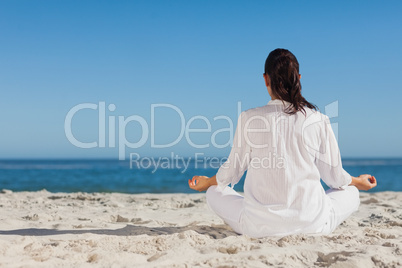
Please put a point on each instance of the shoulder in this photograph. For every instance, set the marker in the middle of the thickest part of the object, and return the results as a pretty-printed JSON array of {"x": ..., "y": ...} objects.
[
  {"x": 311, "y": 114},
  {"x": 261, "y": 110},
  {"x": 253, "y": 114},
  {"x": 314, "y": 121}
]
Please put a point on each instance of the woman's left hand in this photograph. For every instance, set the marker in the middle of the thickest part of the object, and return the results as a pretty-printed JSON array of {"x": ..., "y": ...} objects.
[{"x": 199, "y": 183}]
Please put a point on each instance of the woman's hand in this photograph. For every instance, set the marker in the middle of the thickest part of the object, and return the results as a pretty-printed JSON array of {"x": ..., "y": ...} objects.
[
  {"x": 199, "y": 183},
  {"x": 364, "y": 182}
]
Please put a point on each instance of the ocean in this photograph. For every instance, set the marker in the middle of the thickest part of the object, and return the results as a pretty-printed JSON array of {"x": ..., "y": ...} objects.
[{"x": 74, "y": 175}]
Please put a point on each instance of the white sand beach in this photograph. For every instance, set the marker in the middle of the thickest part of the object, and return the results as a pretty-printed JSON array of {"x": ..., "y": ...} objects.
[{"x": 43, "y": 229}]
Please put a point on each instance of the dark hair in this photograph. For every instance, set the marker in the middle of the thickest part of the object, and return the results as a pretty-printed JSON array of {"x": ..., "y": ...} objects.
[{"x": 282, "y": 68}]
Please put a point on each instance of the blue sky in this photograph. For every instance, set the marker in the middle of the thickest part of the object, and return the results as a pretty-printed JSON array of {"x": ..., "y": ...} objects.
[{"x": 200, "y": 56}]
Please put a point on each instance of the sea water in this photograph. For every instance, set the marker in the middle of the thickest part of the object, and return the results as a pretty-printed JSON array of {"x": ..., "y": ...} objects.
[{"x": 76, "y": 175}]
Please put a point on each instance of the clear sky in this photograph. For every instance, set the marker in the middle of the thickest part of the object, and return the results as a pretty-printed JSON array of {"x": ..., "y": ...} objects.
[{"x": 202, "y": 57}]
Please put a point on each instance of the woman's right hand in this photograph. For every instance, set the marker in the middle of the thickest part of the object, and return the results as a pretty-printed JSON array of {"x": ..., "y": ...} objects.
[
  {"x": 364, "y": 182},
  {"x": 199, "y": 183}
]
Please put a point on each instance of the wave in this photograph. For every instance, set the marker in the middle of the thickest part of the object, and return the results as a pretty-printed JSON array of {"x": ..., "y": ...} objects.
[{"x": 372, "y": 162}]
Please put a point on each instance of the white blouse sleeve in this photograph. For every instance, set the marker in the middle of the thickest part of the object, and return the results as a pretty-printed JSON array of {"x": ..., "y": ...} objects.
[
  {"x": 237, "y": 163},
  {"x": 328, "y": 160}
]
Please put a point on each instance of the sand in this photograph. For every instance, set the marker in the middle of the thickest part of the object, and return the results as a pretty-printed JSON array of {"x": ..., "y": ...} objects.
[{"x": 43, "y": 229}]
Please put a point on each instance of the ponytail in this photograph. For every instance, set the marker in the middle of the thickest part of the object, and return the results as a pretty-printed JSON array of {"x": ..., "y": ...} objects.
[{"x": 282, "y": 68}]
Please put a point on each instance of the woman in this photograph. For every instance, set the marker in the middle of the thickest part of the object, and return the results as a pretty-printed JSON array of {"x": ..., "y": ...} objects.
[{"x": 286, "y": 146}]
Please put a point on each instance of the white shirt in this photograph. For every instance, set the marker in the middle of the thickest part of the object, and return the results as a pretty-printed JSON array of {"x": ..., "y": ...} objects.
[{"x": 285, "y": 156}]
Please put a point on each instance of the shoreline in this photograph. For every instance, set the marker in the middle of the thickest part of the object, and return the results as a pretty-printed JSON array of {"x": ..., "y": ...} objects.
[{"x": 179, "y": 230}]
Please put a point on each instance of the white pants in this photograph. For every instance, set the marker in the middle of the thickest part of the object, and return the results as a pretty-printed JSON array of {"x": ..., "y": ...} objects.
[{"x": 228, "y": 204}]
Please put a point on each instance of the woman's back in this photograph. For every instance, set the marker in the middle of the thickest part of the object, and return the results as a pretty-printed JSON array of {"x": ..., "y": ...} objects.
[
  {"x": 280, "y": 152},
  {"x": 284, "y": 189}
]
